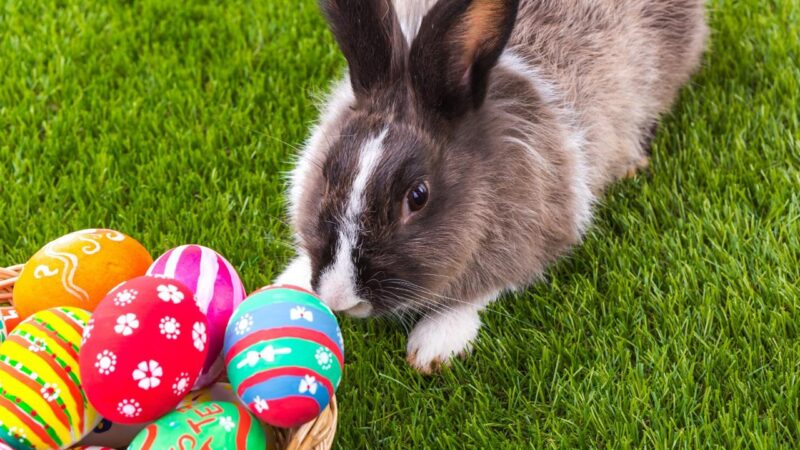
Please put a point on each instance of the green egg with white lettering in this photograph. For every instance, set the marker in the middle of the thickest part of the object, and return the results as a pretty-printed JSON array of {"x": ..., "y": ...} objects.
[{"x": 207, "y": 425}]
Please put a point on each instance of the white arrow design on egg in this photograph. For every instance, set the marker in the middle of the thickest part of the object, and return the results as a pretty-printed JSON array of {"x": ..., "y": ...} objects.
[{"x": 267, "y": 354}]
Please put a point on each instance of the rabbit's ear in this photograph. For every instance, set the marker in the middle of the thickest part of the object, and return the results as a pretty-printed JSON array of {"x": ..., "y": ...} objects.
[
  {"x": 458, "y": 44},
  {"x": 371, "y": 40}
]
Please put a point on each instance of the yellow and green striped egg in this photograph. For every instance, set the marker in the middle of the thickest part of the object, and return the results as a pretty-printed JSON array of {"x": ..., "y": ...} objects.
[{"x": 42, "y": 405}]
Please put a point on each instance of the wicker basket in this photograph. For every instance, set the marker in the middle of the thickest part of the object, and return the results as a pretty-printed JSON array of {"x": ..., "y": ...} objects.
[{"x": 315, "y": 435}]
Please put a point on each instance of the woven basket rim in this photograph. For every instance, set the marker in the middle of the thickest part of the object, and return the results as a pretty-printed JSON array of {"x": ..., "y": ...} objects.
[{"x": 315, "y": 435}]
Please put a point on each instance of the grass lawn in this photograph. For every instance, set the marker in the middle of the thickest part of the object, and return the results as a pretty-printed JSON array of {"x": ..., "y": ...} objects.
[{"x": 676, "y": 324}]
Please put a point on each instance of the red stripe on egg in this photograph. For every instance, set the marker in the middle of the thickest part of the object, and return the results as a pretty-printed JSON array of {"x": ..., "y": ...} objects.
[
  {"x": 69, "y": 320},
  {"x": 33, "y": 385},
  {"x": 57, "y": 368},
  {"x": 261, "y": 377},
  {"x": 151, "y": 433},
  {"x": 74, "y": 390},
  {"x": 61, "y": 341},
  {"x": 33, "y": 426},
  {"x": 284, "y": 332},
  {"x": 245, "y": 423}
]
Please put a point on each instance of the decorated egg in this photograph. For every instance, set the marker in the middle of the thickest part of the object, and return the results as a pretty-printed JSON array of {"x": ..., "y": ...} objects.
[
  {"x": 209, "y": 425},
  {"x": 91, "y": 447},
  {"x": 284, "y": 354},
  {"x": 42, "y": 405},
  {"x": 9, "y": 319},
  {"x": 217, "y": 288},
  {"x": 143, "y": 349},
  {"x": 78, "y": 270},
  {"x": 117, "y": 435}
]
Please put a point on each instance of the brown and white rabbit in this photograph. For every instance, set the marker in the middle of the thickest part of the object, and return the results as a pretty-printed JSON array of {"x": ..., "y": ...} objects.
[{"x": 464, "y": 149}]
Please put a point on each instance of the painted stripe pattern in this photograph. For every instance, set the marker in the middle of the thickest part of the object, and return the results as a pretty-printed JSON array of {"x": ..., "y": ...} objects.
[
  {"x": 285, "y": 355},
  {"x": 42, "y": 405},
  {"x": 218, "y": 291}
]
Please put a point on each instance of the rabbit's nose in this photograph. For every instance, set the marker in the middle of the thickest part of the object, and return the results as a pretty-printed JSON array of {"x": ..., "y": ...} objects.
[{"x": 338, "y": 292}]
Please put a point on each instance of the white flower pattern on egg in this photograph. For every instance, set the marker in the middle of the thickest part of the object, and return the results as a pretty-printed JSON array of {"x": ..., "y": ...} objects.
[
  {"x": 169, "y": 293},
  {"x": 37, "y": 345},
  {"x": 169, "y": 327},
  {"x": 125, "y": 297},
  {"x": 50, "y": 392},
  {"x": 129, "y": 408},
  {"x": 126, "y": 323},
  {"x": 324, "y": 358},
  {"x": 199, "y": 336},
  {"x": 227, "y": 423},
  {"x": 18, "y": 434},
  {"x": 148, "y": 374},
  {"x": 106, "y": 362},
  {"x": 181, "y": 384},
  {"x": 260, "y": 404},
  {"x": 244, "y": 324}
]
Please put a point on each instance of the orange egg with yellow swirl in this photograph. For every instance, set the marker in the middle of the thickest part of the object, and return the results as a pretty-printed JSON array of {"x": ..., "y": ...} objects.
[{"x": 78, "y": 270}]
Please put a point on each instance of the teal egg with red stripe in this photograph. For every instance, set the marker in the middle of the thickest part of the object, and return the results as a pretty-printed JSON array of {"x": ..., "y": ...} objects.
[
  {"x": 284, "y": 354},
  {"x": 207, "y": 425}
]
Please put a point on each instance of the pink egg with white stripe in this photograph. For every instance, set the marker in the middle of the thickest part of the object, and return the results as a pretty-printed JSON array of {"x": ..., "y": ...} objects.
[{"x": 217, "y": 288}]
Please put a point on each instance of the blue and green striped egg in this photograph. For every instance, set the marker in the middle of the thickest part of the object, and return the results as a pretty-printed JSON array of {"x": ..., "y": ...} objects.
[{"x": 284, "y": 354}]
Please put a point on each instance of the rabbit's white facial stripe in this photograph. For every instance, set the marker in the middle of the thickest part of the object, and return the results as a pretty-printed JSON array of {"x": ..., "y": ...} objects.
[
  {"x": 337, "y": 286},
  {"x": 367, "y": 163}
]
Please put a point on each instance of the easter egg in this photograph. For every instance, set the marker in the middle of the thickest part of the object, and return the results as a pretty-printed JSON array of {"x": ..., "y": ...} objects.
[
  {"x": 143, "y": 349},
  {"x": 9, "y": 319},
  {"x": 42, "y": 405},
  {"x": 91, "y": 447},
  {"x": 217, "y": 288},
  {"x": 209, "y": 425},
  {"x": 78, "y": 270},
  {"x": 118, "y": 435},
  {"x": 284, "y": 353}
]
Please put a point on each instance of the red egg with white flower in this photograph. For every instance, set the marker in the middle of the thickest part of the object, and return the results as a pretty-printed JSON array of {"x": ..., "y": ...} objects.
[{"x": 143, "y": 349}]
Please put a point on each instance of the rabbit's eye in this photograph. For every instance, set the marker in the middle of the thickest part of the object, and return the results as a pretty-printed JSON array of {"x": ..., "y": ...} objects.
[{"x": 417, "y": 197}]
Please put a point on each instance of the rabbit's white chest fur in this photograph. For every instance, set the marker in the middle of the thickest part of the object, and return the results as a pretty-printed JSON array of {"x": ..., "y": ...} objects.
[{"x": 512, "y": 115}]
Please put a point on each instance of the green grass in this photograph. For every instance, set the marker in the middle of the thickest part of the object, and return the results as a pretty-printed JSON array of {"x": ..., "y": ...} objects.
[{"x": 676, "y": 324}]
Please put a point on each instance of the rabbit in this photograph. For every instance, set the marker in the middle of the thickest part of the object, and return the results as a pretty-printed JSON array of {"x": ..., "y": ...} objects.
[{"x": 465, "y": 147}]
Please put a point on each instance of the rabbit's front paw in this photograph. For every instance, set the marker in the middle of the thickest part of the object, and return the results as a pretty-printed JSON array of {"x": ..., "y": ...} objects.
[
  {"x": 636, "y": 166},
  {"x": 436, "y": 339}
]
